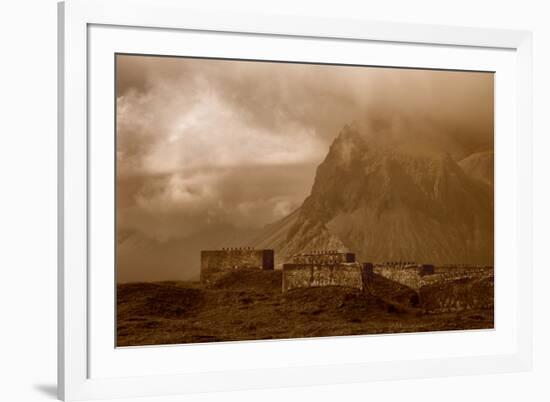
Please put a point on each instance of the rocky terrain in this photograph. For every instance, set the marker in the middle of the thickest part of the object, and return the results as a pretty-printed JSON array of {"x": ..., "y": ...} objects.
[{"x": 247, "y": 304}]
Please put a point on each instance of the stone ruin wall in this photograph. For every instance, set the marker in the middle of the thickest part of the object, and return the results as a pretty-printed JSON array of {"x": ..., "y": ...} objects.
[
  {"x": 323, "y": 257},
  {"x": 215, "y": 263},
  {"x": 412, "y": 276},
  {"x": 455, "y": 289},
  {"x": 317, "y": 275},
  {"x": 468, "y": 293},
  {"x": 444, "y": 289},
  {"x": 417, "y": 276}
]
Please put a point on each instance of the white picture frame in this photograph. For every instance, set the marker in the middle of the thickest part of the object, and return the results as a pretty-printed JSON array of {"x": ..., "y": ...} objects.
[{"x": 75, "y": 337}]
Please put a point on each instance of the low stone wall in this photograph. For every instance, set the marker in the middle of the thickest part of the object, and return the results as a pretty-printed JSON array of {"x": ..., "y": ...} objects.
[
  {"x": 321, "y": 257},
  {"x": 434, "y": 289},
  {"x": 214, "y": 263},
  {"x": 456, "y": 291},
  {"x": 317, "y": 275},
  {"x": 410, "y": 276}
]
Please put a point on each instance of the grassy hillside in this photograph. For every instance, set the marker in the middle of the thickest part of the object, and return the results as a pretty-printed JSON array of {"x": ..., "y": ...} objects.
[{"x": 248, "y": 304}]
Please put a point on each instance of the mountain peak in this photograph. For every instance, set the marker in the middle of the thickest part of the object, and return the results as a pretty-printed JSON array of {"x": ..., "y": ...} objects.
[
  {"x": 479, "y": 165},
  {"x": 385, "y": 203}
]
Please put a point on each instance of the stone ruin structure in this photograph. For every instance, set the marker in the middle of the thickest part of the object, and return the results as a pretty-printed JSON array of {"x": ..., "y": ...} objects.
[
  {"x": 323, "y": 268},
  {"x": 450, "y": 287},
  {"x": 216, "y": 263}
]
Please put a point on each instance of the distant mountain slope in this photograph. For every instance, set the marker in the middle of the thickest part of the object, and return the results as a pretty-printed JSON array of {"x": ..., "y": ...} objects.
[
  {"x": 144, "y": 258},
  {"x": 479, "y": 165},
  {"x": 384, "y": 204}
]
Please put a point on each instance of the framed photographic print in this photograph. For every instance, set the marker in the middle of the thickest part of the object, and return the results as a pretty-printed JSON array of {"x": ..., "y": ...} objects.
[{"x": 256, "y": 201}]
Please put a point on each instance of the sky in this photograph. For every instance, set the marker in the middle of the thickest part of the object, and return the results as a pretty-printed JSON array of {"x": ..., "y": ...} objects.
[{"x": 210, "y": 150}]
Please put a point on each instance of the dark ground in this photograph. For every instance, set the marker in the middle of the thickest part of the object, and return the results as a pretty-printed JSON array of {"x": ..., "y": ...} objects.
[{"x": 249, "y": 305}]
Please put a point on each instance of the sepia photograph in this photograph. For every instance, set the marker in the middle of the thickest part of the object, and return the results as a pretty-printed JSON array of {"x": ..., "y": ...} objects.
[{"x": 262, "y": 200}]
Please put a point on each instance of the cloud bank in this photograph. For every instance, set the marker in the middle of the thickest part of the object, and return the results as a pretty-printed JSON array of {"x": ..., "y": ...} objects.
[{"x": 212, "y": 147}]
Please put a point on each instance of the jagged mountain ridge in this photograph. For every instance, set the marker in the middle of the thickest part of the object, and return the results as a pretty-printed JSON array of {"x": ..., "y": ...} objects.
[
  {"x": 387, "y": 204},
  {"x": 479, "y": 165}
]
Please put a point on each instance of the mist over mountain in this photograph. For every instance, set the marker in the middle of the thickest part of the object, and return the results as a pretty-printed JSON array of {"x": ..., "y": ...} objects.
[
  {"x": 146, "y": 258},
  {"x": 387, "y": 203},
  {"x": 210, "y": 151}
]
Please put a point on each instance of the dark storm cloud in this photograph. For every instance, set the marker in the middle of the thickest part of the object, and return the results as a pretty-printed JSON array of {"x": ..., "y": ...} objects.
[
  {"x": 181, "y": 204},
  {"x": 206, "y": 144},
  {"x": 269, "y": 95}
]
